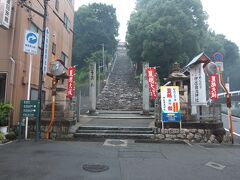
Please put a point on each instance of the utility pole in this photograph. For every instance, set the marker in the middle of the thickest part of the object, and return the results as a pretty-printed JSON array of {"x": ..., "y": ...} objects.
[{"x": 41, "y": 68}]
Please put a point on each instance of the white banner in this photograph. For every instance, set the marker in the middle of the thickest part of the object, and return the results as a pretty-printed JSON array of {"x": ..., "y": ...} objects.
[
  {"x": 45, "y": 55},
  {"x": 198, "y": 85}
]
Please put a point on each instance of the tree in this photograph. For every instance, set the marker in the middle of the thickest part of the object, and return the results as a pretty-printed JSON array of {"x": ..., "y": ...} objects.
[
  {"x": 231, "y": 57},
  {"x": 165, "y": 31},
  {"x": 94, "y": 25}
]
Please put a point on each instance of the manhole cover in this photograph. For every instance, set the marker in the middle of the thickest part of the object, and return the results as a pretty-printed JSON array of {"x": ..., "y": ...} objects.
[
  {"x": 215, "y": 165},
  {"x": 95, "y": 167},
  {"x": 115, "y": 142}
]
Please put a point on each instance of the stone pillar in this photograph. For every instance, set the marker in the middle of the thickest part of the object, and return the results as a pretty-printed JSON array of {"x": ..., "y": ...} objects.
[
  {"x": 92, "y": 87},
  {"x": 145, "y": 90}
]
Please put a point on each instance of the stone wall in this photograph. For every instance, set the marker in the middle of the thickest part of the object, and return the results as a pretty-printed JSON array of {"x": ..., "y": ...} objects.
[{"x": 188, "y": 135}]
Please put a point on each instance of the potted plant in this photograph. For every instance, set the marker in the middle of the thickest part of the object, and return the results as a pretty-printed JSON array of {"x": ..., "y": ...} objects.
[{"x": 5, "y": 110}]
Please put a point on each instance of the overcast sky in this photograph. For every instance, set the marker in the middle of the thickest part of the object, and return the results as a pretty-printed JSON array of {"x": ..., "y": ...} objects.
[{"x": 223, "y": 15}]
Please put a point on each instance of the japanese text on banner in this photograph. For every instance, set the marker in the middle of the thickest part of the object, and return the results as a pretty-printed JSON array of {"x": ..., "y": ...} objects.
[
  {"x": 70, "y": 90},
  {"x": 213, "y": 89},
  {"x": 152, "y": 82}
]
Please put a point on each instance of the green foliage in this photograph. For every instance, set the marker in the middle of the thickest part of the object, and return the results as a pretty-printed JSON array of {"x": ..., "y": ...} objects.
[
  {"x": 230, "y": 51},
  {"x": 81, "y": 77},
  {"x": 94, "y": 25},
  {"x": 163, "y": 32},
  {"x": 2, "y": 137},
  {"x": 4, "y": 113}
]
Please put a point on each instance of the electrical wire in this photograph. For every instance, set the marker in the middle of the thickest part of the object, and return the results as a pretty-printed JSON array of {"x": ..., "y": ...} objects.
[{"x": 40, "y": 4}]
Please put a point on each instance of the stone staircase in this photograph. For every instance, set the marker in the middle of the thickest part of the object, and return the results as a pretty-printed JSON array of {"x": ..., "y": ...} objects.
[
  {"x": 122, "y": 90},
  {"x": 113, "y": 132}
]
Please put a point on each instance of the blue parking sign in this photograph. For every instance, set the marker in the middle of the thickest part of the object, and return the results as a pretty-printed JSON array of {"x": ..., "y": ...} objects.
[{"x": 31, "y": 42}]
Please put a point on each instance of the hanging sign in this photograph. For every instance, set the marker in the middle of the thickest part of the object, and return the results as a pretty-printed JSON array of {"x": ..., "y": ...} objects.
[
  {"x": 170, "y": 103},
  {"x": 70, "y": 90},
  {"x": 213, "y": 89},
  {"x": 45, "y": 55},
  {"x": 5, "y": 13},
  {"x": 152, "y": 82}
]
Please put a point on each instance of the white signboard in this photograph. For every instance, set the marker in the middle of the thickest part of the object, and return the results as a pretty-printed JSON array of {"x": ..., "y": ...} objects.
[
  {"x": 45, "y": 55},
  {"x": 198, "y": 85},
  {"x": 5, "y": 13},
  {"x": 170, "y": 103},
  {"x": 31, "y": 42}
]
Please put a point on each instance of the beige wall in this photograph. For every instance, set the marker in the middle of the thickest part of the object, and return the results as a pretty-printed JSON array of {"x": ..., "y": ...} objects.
[{"x": 11, "y": 45}]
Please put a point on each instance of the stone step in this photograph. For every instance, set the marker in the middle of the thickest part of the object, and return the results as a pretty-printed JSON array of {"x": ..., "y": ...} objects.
[
  {"x": 115, "y": 128},
  {"x": 112, "y": 136},
  {"x": 115, "y": 117},
  {"x": 90, "y": 132},
  {"x": 115, "y": 131}
]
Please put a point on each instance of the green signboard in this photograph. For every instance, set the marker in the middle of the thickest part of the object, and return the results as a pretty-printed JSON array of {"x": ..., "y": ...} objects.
[{"x": 29, "y": 108}]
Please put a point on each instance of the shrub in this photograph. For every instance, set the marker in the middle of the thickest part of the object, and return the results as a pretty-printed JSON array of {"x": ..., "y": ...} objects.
[
  {"x": 4, "y": 113},
  {"x": 2, "y": 137}
]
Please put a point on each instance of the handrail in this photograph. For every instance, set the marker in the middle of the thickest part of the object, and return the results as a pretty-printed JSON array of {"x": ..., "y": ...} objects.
[{"x": 232, "y": 92}]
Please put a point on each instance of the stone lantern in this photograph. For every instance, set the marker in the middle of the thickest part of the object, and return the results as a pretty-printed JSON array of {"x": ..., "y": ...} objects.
[{"x": 177, "y": 77}]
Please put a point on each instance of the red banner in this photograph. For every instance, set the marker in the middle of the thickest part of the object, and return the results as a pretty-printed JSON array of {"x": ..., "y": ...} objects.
[
  {"x": 152, "y": 82},
  {"x": 70, "y": 90},
  {"x": 213, "y": 89}
]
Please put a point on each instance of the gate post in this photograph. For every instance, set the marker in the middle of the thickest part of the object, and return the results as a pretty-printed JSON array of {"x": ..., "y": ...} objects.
[
  {"x": 92, "y": 87},
  {"x": 145, "y": 89}
]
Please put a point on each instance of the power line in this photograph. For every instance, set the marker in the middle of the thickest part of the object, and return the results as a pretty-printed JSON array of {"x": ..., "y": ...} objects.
[{"x": 40, "y": 4}]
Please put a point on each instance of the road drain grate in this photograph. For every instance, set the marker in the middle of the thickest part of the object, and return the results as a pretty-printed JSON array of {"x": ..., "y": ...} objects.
[{"x": 95, "y": 167}]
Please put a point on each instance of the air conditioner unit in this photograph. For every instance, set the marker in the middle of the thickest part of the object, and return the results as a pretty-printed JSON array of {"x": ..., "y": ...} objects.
[{"x": 5, "y": 13}]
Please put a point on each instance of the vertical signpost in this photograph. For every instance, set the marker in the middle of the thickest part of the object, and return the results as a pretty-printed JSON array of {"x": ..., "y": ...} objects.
[
  {"x": 30, "y": 47},
  {"x": 92, "y": 87},
  {"x": 218, "y": 57},
  {"x": 170, "y": 103},
  {"x": 145, "y": 89}
]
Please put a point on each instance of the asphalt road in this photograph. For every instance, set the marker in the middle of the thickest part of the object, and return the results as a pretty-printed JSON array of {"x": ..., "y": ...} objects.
[{"x": 131, "y": 161}]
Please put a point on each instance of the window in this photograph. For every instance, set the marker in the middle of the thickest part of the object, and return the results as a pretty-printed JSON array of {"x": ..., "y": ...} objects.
[
  {"x": 66, "y": 22},
  {"x": 2, "y": 86},
  {"x": 64, "y": 58},
  {"x": 53, "y": 48},
  {"x": 57, "y": 5}
]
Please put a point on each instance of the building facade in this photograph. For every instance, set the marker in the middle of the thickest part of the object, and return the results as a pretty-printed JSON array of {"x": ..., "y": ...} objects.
[{"x": 14, "y": 62}]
